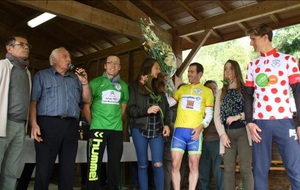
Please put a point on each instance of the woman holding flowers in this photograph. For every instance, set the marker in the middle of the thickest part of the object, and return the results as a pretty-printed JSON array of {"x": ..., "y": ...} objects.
[
  {"x": 229, "y": 120},
  {"x": 148, "y": 118}
]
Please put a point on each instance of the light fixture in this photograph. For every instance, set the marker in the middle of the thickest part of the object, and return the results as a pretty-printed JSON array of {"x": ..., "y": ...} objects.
[{"x": 40, "y": 19}]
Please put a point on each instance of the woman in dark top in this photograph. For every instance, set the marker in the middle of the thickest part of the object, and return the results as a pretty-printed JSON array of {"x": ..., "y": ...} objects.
[
  {"x": 230, "y": 123},
  {"x": 148, "y": 117}
]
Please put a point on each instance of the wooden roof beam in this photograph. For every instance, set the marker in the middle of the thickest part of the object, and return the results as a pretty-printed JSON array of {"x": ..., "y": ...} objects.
[
  {"x": 160, "y": 14},
  {"x": 275, "y": 18},
  {"x": 76, "y": 36},
  {"x": 129, "y": 9},
  {"x": 216, "y": 33},
  {"x": 135, "y": 44},
  {"x": 194, "y": 51},
  {"x": 227, "y": 8},
  {"x": 188, "y": 9},
  {"x": 189, "y": 39},
  {"x": 243, "y": 26},
  {"x": 237, "y": 16},
  {"x": 91, "y": 16},
  {"x": 224, "y": 6},
  {"x": 134, "y": 13}
]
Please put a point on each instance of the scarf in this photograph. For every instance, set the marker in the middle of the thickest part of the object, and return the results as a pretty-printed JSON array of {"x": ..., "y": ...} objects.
[
  {"x": 115, "y": 80},
  {"x": 17, "y": 61}
]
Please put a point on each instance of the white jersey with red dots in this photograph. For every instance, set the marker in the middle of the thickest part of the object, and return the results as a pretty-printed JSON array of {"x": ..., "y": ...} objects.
[{"x": 271, "y": 76}]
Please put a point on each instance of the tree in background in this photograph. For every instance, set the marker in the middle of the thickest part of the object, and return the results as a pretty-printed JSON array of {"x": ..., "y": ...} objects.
[
  {"x": 213, "y": 57},
  {"x": 287, "y": 40}
]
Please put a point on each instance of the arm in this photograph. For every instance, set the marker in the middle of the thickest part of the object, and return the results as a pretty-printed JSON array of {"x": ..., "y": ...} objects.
[
  {"x": 240, "y": 116},
  {"x": 125, "y": 99},
  {"x": 217, "y": 119},
  {"x": 208, "y": 115},
  {"x": 133, "y": 109},
  {"x": 209, "y": 111},
  {"x": 217, "y": 115},
  {"x": 248, "y": 103},
  {"x": 296, "y": 92},
  {"x": 35, "y": 129},
  {"x": 86, "y": 112},
  {"x": 166, "y": 128},
  {"x": 86, "y": 91},
  {"x": 248, "y": 110},
  {"x": 172, "y": 102},
  {"x": 166, "y": 110},
  {"x": 124, "y": 106}
]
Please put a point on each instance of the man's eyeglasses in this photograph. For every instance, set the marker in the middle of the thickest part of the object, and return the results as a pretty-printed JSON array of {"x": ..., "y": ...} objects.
[
  {"x": 22, "y": 44},
  {"x": 113, "y": 63}
]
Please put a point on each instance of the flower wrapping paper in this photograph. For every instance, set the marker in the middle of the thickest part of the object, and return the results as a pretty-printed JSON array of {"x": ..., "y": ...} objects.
[{"x": 160, "y": 51}]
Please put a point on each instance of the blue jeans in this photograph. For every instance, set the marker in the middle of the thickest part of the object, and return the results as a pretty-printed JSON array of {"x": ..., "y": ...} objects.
[
  {"x": 210, "y": 157},
  {"x": 156, "y": 147},
  {"x": 282, "y": 131}
]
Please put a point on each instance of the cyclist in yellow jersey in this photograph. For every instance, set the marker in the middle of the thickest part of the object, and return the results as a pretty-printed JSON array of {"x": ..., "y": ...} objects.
[{"x": 195, "y": 111}]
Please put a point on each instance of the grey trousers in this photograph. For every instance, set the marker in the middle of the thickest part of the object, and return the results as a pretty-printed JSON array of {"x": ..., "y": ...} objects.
[
  {"x": 10, "y": 151},
  {"x": 239, "y": 147}
]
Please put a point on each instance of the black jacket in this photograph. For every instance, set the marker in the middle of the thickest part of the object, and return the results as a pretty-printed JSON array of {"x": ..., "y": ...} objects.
[{"x": 138, "y": 105}]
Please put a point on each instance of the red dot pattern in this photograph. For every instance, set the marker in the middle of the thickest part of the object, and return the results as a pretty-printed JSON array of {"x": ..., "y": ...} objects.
[{"x": 272, "y": 101}]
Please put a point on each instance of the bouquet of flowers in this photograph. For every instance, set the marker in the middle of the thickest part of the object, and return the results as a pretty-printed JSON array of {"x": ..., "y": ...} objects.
[{"x": 160, "y": 51}]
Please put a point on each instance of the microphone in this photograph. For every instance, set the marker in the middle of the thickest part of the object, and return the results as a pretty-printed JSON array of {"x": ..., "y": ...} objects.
[{"x": 74, "y": 68}]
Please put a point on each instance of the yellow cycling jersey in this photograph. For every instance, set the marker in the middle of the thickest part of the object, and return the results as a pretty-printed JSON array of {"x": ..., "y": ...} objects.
[{"x": 193, "y": 99}]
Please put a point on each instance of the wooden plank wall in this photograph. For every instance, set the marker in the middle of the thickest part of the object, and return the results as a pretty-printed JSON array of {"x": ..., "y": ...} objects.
[{"x": 130, "y": 65}]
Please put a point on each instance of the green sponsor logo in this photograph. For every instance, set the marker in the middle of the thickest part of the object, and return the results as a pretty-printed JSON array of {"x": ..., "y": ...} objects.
[{"x": 262, "y": 80}]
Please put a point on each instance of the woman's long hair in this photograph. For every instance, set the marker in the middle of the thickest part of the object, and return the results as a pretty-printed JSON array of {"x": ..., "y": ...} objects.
[
  {"x": 156, "y": 85},
  {"x": 238, "y": 75}
]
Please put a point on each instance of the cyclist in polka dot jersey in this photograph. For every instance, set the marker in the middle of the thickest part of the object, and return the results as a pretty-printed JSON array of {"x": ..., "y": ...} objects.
[{"x": 267, "y": 109}]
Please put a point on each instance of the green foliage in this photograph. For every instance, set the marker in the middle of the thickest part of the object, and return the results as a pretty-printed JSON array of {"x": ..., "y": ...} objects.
[
  {"x": 213, "y": 57},
  {"x": 287, "y": 40}
]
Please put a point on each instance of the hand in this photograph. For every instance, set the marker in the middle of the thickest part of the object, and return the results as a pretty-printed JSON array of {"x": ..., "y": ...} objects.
[
  {"x": 254, "y": 130},
  {"x": 143, "y": 79},
  {"x": 231, "y": 119},
  {"x": 225, "y": 140},
  {"x": 153, "y": 109},
  {"x": 83, "y": 77},
  {"x": 196, "y": 132},
  {"x": 36, "y": 133},
  {"x": 298, "y": 133},
  {"x": 166, "y": 131}
]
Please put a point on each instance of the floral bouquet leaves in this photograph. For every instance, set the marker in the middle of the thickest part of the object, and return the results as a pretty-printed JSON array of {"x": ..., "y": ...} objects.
[
  {"x": 159, "y": 50},
  {"x": 146, "y": 81},
  {"x": 227, "y": 81}
]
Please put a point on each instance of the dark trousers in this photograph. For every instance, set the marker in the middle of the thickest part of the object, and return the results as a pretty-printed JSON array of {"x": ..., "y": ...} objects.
[
  {"x": 25, "y": 176},
  {"x": 59, "y": 138},
  {"x": 103, "y": 174},
  {"x": 283, "y": 132},
  {"x": 210, "y": 157},
  {"x": 98, "y": 140}
]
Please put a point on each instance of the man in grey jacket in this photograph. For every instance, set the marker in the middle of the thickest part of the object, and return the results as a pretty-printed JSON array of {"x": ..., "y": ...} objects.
[{"x": 15, "y": 87}]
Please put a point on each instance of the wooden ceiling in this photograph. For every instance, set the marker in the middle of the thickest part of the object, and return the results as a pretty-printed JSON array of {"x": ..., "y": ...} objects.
[{"x": 91, "y": 29}]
